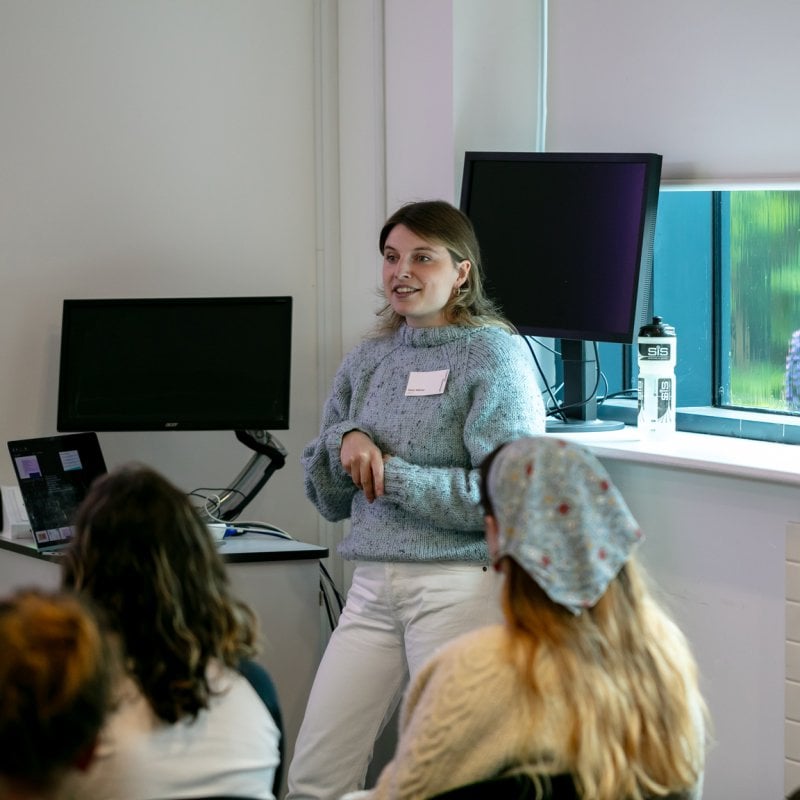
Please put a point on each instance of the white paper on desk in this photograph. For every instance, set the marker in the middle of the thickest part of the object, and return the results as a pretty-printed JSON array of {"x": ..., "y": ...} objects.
[{"x": 422, "y": 383}]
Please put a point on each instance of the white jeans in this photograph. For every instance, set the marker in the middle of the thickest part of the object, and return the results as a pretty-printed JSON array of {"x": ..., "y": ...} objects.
[{"x": 396, "y": 616}]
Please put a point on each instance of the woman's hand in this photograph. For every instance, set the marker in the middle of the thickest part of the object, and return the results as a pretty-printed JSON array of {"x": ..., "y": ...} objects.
[{"x": 363, "y": 462}]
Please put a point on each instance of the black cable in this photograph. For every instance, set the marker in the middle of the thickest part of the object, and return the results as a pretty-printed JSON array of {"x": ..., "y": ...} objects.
[
  {"x": 623, "y": 393},
  {"x": 555, "y": 408},
  {"x": 327, "y": 602},
  {"x": 336, "y": 592},
  {"x": 264, "y": 528},
  {"x": 327, "y": 587},
  {"x": 601, "y": 398},
  {"x": 599, "y": 375},
  {"x": 212, "y": 501},
  {"x": 326, "y": 582},
  {"x": 196, "y": 492}
]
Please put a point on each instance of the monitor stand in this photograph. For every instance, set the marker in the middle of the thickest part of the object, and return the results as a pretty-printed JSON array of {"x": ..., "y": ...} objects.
[
  {"x": 579, "y": 361},
  {"x": 554, "y": 425},
  {"x": 269, "y": 455}
]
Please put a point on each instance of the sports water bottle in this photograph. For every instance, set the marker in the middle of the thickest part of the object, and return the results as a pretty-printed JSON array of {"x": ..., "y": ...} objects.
[{"x": 656, "y": 344}]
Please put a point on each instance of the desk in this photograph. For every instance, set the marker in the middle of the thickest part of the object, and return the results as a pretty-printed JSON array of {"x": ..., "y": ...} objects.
[{"x": 278, "y": 578}]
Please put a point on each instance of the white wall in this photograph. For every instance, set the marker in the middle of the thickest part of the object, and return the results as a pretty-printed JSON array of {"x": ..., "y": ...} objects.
[
  {"x": 716, "y": 548},
  {"x": 152, "y": 148},
  {"x": 792, "y": 684}
]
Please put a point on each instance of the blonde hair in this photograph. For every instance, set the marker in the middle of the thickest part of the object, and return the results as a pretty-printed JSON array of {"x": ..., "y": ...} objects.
[
  {"x": 441, "y": 223},
  {"x": 54, "y": 685},
  {"x": 628, "y": 679}
]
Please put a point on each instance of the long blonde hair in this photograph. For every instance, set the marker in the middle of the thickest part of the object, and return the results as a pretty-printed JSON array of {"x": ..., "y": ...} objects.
[{"x": 627, "y": 677}]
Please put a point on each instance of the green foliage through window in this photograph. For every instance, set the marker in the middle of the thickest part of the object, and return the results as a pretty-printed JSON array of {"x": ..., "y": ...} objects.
[{"x": 764, "y": 274}]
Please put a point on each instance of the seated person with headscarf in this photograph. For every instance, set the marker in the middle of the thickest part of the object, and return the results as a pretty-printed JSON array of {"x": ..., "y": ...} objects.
[{"x": 587, "y": 678}]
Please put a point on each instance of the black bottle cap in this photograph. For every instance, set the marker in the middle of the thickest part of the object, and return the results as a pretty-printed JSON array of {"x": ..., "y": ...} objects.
[{"x": 657, "y": 328}]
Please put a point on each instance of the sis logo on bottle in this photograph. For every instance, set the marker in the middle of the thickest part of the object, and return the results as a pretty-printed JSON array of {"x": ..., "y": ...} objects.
[{"x": 655, "y": 352}]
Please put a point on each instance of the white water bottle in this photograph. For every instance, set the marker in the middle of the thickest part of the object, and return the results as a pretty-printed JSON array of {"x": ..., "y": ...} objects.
[{"x": 656, "y": 357}]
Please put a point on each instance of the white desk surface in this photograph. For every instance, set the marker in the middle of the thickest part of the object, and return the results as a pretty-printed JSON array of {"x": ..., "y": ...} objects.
[{"x": 247, "y": 547}]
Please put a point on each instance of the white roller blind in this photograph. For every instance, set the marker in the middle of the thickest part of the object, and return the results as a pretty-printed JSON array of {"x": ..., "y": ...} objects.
[
  {"x": 713, "y": 85},
  {"x": 497, "y": 76}
]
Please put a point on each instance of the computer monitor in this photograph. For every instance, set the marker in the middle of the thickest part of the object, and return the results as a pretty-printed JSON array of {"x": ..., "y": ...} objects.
[
  {"x": 567, "y": 246},
  {"x": 149, "y": 364}
]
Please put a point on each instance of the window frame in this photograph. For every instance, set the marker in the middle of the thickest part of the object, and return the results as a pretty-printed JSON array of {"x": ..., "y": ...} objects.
[{"x": 702, "y": 338}]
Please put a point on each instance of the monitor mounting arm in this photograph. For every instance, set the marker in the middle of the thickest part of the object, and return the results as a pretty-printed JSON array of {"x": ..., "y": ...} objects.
[{"x": 270, "y": 455}]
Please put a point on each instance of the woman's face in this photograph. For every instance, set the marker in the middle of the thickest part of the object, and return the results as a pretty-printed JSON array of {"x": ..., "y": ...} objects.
[{"x": 419, "y": 277}]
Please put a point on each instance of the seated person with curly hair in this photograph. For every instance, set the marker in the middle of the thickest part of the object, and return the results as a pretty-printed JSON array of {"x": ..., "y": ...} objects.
[
  {"x": 54, "y": 685},
  {"x": 186, "y": 721}
]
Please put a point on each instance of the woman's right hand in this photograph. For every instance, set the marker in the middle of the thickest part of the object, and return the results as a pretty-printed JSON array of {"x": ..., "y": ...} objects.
[{"x": 363, "y": 462}]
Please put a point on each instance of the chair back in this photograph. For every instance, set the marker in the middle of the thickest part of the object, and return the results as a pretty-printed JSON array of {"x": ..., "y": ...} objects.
[
  {"x": 262, "y": 683},
  {"x": 515, "y": 787}
]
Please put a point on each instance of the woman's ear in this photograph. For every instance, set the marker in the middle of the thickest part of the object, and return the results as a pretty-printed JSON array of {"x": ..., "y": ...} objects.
[
  {"x": 463, "y": 272},
  {"x": 492, "y": 535}
]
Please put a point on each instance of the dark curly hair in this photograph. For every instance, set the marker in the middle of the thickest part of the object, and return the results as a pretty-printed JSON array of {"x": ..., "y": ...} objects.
[{"x": 143, "y": 555}]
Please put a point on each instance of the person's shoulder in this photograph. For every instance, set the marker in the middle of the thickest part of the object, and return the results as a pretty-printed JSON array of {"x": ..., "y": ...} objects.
[
  {"x": 486, "y": 636},
  {"x": 496, "y": 345},
  {"x": 477, "y": 663},
  {"x": 234, "y": 692},
  {"x": 474, "y": 646},
  {"x": 375, "y": 342},
  {"x": 131, "y": 713},
  {"x": 491, "y": 331},
  {"x": 495, "y": 336},
  {"x": 369, "y": 350}
]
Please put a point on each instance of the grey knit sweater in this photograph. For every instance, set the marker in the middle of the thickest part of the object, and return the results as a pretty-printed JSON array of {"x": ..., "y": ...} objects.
[{"x": 430, "y": 510}]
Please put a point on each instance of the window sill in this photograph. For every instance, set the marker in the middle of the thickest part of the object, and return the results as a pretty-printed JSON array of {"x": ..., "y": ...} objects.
[
  {"x": 721, "y": 455},
  {"x": 776, "y": 428}
]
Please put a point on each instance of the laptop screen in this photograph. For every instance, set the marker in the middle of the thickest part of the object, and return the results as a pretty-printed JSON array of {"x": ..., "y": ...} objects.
[{"x": 54, "y": 474}]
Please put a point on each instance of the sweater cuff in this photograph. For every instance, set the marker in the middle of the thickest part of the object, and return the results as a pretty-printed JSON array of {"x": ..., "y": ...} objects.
[
  {"x": 335, "y": 434},
  {"x": 396, "y": 477}
]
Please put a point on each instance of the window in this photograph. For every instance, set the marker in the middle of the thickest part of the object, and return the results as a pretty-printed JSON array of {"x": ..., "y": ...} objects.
[
  {"x": 760, "y": 299},
  {"x": 727, "y": 277}
]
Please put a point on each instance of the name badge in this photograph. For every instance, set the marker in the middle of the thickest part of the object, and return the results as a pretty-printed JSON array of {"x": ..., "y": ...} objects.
[{"x": 422, "y": 383}]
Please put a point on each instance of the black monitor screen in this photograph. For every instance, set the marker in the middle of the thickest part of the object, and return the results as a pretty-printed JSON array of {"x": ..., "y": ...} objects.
[
  {"x": 180, "y": 363},
  {"x": 566, "y": 239}
]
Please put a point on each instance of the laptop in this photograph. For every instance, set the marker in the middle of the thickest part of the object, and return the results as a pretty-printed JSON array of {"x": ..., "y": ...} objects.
[{"x": 54, "y": 474}]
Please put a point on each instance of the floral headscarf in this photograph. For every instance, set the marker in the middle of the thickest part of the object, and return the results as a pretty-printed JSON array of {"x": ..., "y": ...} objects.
[{"x": 560, "y": 518}]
